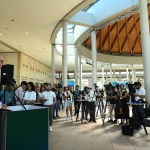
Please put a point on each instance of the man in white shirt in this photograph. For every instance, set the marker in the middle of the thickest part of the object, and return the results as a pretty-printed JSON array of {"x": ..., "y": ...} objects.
[
  {"x": 140, "y": 95},
  {"x": 20, "y": 92},
  {"x": 49, "y": 100},
  {"x": 140, "y": 92},
  {"x": 91, "y": 99}
]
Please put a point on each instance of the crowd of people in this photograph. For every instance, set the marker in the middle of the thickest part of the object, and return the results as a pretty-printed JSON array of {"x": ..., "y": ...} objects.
[{"x": 57, "y": 98}]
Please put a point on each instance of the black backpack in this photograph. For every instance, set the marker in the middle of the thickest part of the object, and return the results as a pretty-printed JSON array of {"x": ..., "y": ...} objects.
[{"x": 127, "y": 130}]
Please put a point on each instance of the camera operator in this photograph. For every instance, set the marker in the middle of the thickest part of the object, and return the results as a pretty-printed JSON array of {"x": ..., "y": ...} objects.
[
  {"x": 113, "y": 98},
  {"x": 140, "y": 95}
]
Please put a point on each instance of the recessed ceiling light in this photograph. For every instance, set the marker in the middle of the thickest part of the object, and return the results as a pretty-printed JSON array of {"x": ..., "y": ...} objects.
[
  {"x": 27, "y": 33},
  {"x": 1, "y": 34},
  {"x": 5, "y": 50},
  {"x": 36, "y": 41},
  {"x": 14, "y": 42}
]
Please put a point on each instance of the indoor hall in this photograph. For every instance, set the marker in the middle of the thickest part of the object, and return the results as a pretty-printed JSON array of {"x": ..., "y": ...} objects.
[{"x": 79, "y": 42}]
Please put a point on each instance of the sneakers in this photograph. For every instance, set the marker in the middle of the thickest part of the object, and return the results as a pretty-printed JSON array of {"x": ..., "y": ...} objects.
[{"x": 50, "y": 129}]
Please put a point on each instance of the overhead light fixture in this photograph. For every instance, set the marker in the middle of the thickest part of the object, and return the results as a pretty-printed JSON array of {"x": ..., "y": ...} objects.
[
  {"x": 14, "y": 42},
  {"x": 1, "y": 34},
  {"x": 5, "y": 50},
  {"x": 27, "y": 33},
  {"x": 36, "y": 41}
]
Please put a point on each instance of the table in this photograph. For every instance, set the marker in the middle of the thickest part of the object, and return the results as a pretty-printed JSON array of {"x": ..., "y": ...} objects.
[
  {"x": 139, "y": 113},
  {"x": 81, "y": 100}
]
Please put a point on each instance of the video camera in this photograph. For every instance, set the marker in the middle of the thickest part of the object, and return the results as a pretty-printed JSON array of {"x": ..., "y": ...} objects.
[{"x": 96, "y": 87}]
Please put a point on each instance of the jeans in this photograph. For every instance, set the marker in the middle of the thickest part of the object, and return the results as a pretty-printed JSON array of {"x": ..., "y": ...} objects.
[
  {"x": 50, "y": 114},
  {"x": 57, "y": 107}
]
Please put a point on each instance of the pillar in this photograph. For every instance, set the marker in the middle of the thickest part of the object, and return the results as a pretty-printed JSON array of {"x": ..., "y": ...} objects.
[
  {"x": 145, "y": 39},
  {"x": 80, "y": 72},
  {"x": 127, "y": 72},
  {"x": 94, "y": 58},
  {"x": 53, "y": 65},
  {"x": 76, "y": 66},
  {"x": 110, "y": 72},
  {"x": 64, "y": 63},
  {"x": 103, "y": 75}
]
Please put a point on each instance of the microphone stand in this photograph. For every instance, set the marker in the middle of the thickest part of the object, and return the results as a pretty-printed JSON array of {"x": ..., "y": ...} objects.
[{"x": 10, "y": 83}]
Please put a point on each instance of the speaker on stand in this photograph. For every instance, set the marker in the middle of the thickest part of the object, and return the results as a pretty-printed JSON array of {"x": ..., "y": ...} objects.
[{"x": 7, "y": 73}]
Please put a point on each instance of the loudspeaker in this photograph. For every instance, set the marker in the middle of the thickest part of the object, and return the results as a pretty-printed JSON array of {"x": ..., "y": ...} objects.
[{"x": 7, "y": 73}]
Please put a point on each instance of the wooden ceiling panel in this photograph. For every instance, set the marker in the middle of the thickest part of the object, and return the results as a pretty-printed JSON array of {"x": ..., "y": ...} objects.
[{"x": 123, "y": 37}]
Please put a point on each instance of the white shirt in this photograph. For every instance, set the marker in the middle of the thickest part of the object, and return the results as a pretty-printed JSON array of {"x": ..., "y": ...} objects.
[
  {"x": 49, "y": 96},
  {"x": 141, "y": 91},
  {"x": 20, "y": 93},
  {"x": 0, "y": 105},
  {"x": 91, "y": 96},
  {"x": 30, "y": 95}
]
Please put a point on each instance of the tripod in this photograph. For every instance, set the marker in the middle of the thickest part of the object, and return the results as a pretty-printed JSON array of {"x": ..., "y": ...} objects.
[{"x": 100, "y": 105}]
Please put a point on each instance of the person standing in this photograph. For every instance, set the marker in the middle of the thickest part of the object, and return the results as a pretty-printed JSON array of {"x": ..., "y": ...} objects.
[
  {"x": 49, "y": 101},
  {"x": 20, "y": 92},
  {"x": 91, "y": 99},
  {"x": 30, "y": 94},
  {"x": 77, "y": 94},
  {"x": 68, "y": 102}
]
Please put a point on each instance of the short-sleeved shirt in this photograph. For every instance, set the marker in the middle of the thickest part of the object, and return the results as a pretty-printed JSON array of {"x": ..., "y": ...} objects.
[
  {"x": 76, "y": 94},
  {"x": 49, "y": 96},
  {"x": 141, "y": 91},
  {"x": 30, "y": 95}
]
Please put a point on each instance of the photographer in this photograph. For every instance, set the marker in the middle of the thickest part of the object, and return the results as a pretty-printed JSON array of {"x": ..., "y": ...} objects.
[{"x": 113, "y": 98}]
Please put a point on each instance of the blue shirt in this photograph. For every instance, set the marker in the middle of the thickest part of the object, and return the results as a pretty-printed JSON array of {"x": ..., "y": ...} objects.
[
  {"x": 76, "y": 94},
  {"x": 9, "y": 97}
]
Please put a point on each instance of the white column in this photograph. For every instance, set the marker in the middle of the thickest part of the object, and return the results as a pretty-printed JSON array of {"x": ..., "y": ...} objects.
[
  {"x": 103, "y": 75},
  {"x": 114, "y": 74},
  {"x": 145, "y": 38},
  {"x": 76, "y": 66},
  {"x": 127, "y": 72},
  {"x": 64, "y": 63},
  {"x": 110, "y": 72},
  {"x": 133, "y": 74},
  {"x": 80, "y": 72},
  {"x": 53, "y": 65},
  {"x": 94, "y": 58}
]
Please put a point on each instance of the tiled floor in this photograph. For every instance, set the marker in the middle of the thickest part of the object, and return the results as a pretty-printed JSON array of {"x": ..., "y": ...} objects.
[{"x": 71, "y": 135}]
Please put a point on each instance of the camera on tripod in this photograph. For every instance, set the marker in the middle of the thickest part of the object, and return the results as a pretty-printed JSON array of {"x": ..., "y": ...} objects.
[{"x": 96, "y": 87}]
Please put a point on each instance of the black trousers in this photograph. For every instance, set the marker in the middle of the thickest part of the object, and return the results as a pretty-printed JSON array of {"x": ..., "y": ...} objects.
[
  {"x": 77, "y": 107},
  {"x": 92, "y": 110}
]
